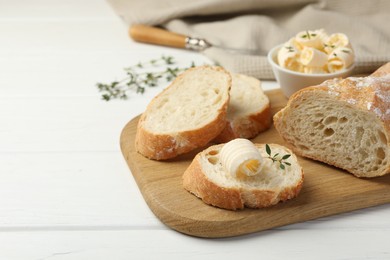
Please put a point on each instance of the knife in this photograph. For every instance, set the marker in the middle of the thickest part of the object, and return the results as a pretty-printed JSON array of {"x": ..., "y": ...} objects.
[{"x": 158, "y": 36}]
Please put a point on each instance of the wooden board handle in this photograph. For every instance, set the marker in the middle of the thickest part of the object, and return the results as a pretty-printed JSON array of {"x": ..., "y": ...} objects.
[{"x": 153, "y": 35}]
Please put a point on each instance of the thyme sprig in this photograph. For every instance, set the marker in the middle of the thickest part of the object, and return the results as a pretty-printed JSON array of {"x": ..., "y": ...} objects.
[
  {"x": 331, "y": 45},
  {"x": 276, "y": 158},
  {"x": 141, "y": 76},
  {"x": 307, "y": 35},
  {"x": 290, "y": 48}
]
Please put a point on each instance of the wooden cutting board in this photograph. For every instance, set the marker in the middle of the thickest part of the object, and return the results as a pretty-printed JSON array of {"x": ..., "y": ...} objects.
[{"x": 326, "y": 191}]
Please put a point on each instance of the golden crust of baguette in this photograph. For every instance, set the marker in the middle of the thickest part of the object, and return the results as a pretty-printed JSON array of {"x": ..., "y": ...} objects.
[
  {"x": 249, "y": 110},
  {"x": 196, "y": 182},
  {"x": 246, "y": 127},
  {"x": 166, "y": 146},
  {"x": 382, "y": 71},
  {"x": 370, "y": 94}
]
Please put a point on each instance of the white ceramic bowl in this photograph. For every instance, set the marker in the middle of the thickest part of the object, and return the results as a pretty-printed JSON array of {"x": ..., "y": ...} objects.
[{"x": 291, "y": 81}]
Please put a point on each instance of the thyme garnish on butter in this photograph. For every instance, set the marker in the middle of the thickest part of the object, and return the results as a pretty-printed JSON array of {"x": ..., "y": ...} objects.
[
  {"x": 277, "y": 158},
  {"x": 141, "y": 76},
  {"x": 331, "y": 46},
  {"x": 290, "y": 48},
  {"x": 307, "y": 35}
]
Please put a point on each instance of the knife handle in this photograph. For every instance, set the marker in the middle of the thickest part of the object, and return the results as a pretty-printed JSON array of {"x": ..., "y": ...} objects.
[{"x": 153, "y": 35}]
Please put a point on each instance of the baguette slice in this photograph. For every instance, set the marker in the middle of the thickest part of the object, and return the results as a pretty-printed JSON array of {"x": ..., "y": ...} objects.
[
  {"x": 344, "y": 123},
  {"x": 249, "y": 110},
  {"x": 186, "y": 115},
  {"x": 206, "y": 179}
]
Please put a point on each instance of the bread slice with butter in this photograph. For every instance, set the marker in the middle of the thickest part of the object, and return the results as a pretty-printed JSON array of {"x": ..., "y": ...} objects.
[
  {"x": 342, "y": 122},
  {"x": 188, "y": 114},
  {"x": 249, "y": 110},
  {"x": 208, "y": 179}
]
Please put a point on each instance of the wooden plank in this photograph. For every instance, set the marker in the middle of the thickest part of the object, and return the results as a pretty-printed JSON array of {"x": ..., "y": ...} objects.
[
  {"x": 326, "y": 191},
  {"x": 40, "y": 190},
  {"x": 294, "y": 244}
]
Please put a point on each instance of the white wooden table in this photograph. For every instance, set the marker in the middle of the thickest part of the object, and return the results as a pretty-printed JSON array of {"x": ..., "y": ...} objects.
[{"x": 65, "y": 190}]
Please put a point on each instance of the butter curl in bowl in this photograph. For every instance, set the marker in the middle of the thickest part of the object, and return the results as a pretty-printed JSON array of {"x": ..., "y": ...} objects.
[{"x": 311, "y": 57}]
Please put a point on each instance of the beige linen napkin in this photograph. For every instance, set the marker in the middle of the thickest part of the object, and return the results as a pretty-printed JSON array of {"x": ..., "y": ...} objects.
[{"x": 262, "y": 24}]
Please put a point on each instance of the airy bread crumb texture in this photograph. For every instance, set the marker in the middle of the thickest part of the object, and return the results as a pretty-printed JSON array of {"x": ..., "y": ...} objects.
[
  {"x": 191, "y": 102},
  {"x": 207, "y": 179},
  {"x": 247, "y": 97},
  {"x": 187, "y": 115},
  {"x": 326, "y": 129},
  {"x": 249, "y": 110}
]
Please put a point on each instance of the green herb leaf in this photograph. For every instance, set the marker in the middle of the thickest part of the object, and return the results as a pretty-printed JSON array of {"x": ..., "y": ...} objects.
[
  {"x": 289, "y": 48},
  {"x": 308, "y": 34},
  {"x": 274, "y": 158},
  {"x": 268, "y": 149},
  {"x": 138, "y": 80},
  {"x": 106, "y": 97}
]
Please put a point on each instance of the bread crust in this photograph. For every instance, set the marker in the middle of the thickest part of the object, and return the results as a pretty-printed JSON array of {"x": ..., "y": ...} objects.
[
  {"x": 382, "y": 71},
  {"x": 368, "y": 95},
  {"x": 196, "y": 182},
  {"x": 165, "y": 146},
  {"x": 246, "y": 127}
]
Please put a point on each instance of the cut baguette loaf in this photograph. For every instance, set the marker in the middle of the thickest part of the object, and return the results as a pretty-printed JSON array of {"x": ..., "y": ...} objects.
[
  {"x": 249, "y": 110},
  {"x": 344, "y": 123},
  {"x": 186, "y": 115},
  {"x": 207, "y": 179}
]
